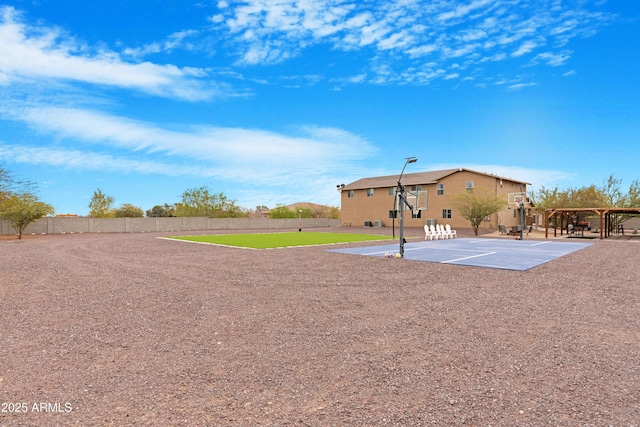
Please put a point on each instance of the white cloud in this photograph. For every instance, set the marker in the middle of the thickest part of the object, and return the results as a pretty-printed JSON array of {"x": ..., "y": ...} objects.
[
  {"x": 217, "y": 19},
  {"x": 463, "y": 10},
  {"x": 495, "y": 58},
  {"x": 471, "y": 35},
  {"x": 358, "y": 79},
  {"x": 552, "y": 59},
  {"x": 245, "y": 155},
  {"x": 173, "y": 41},
  {"x": 46, "y": 53},
  {"x": 395, "y": 41},
  {"x": 402, "y": 35},
  {"x": 526, "y": 47},
  {"x": 518, "y": 86},
  {"x": 87, "y": 160}
]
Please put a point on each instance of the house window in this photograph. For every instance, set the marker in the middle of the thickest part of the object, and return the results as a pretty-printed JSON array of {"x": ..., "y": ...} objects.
[
  {"x": 440, "y": 189},
  {"x": 446, "y": 213},
  {"x": 393, "y": 191},
  {"x": 415, "y": 188},
  {"x": 469, "y": 186},
  {"x": 370, "y": 192},
  {"x": 350, "y": 194}
]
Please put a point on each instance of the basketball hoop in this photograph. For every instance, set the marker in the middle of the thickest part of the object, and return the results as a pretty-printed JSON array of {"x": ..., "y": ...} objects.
[{"x": 418, "y": 202}]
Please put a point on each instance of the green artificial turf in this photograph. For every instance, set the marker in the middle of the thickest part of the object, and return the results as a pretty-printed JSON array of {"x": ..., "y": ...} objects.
[{"x": 281, "y": 240}]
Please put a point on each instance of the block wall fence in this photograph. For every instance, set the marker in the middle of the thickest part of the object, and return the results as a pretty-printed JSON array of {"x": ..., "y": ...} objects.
[{"x": 63, "y": 225}]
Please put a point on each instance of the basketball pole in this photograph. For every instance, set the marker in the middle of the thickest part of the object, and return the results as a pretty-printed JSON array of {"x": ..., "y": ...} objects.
[
  {"x": 521, "y": 219},
  {"x": 403, "y": 201}
]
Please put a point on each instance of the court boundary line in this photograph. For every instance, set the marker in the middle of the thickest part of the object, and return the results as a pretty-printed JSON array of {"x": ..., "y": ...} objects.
[
  {"x": 540, "y": 243},
  {"x": 467, "y": 257},
  {"x": 222, "y": 245}
]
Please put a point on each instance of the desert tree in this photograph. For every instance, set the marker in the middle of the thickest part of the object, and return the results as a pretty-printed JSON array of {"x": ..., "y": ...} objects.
[
  {"x": 282, "y": 211},
  {"x": 615, "y": 197},
  {"x": 324, "y": 211},
  {"x": 612, "y": 192},
  {"x": 633, "y": 197},
  {"x": 477, "y": 206},
  {"x": 10, "y": 185},
  {"x": 22, "y": 208},
  {"x": 204, "y": 202},
  {"x": 163, "y": 211},
  {"x": 129, "y": 211},
  {"x": 304, "y": 212},
  {"x": 19, "y": 203},
  {"x": 334, "y": 212},
  {"x": 5, "y": 183},
  {"x": 319, "y": 211},
  {"x": 100, "y": 205}
]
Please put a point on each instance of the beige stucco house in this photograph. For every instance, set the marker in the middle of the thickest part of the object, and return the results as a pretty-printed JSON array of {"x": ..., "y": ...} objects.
[{"x": 370, "y": 201}]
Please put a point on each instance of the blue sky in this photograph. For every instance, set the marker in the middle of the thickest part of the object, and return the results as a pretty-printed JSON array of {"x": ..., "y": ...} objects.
[{"x": 278, "y": 101}]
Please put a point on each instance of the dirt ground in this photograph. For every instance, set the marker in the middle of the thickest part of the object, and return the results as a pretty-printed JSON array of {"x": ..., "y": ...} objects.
[{"x": 131, "y": 330}]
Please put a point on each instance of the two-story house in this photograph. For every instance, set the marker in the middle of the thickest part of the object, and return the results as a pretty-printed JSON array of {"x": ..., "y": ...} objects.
[{"x": 371, "y": 201}]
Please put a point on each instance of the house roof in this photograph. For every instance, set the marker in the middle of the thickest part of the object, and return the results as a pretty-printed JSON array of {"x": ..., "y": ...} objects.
[{"x": 419, "y": 178}]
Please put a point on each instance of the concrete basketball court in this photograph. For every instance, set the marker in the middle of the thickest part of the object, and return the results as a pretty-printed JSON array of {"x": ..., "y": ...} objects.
[{"x": 492, "y": 253}]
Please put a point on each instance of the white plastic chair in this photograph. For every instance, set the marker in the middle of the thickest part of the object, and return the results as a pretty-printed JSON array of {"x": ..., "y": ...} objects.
[
  {"x": 452, "y": 233},
  {"x": 435, "y": 233},
  {"x": 441, "y": 230},
  {"x": 427, "y": 233}
]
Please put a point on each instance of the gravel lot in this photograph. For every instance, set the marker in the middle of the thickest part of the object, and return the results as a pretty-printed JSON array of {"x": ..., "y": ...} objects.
[{"x": 114, "y": 329}]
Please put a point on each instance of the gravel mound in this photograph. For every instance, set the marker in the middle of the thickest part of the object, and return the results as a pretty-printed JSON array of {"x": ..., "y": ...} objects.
[{"x": 115, "y": 329}]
